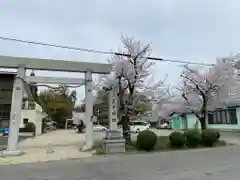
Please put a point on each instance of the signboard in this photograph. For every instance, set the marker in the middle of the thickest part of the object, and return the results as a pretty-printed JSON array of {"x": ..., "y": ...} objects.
[{"x": 114, "y": 108}]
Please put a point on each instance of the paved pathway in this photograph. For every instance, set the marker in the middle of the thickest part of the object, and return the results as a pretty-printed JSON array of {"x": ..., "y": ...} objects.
[
  {"x": 55, "y": 138},
  {"x": 202, "y": 164},
  {"x": 231, "y": 137},
  {"x": 65, "y": 144}
]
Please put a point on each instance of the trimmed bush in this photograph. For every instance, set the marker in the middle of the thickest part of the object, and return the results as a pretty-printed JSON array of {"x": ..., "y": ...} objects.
[
  {"x": 209, "y": 137},
  {"x": 218, "y": 135},
  {"x": 193, "y": 138},
  {"x": 29, "y": 127},
  {"x": 146, "y": 140},
  {"x": 177, "y": 139}
]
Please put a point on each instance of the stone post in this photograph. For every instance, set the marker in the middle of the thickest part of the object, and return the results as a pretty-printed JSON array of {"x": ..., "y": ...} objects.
[
  {"x": 15, "y": 116},
  {"x": 88, "y": 111},
  {"x": 114, "y": 141}
]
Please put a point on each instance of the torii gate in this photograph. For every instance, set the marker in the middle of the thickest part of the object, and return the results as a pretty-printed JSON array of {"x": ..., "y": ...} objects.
[{"x": 22, "y": 64}]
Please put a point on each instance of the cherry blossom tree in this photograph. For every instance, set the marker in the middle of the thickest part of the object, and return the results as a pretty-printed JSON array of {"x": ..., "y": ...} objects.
[
  {"x": 203, "y": 89},
  {"x": 160, "y": 95},
  {"x": 130, "y": 77}
]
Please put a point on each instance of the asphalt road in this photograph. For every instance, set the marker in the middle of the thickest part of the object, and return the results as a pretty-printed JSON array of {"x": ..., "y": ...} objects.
[{"x": 201, "y": 164}]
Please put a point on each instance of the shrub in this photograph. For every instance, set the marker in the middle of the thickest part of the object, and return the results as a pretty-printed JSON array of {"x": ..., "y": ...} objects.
[
  {"x": 209, "y": 137},
  {"x": 193, "y": 138},
  {"x": 146, "y": 140},
  {"x": 177, "y": 139},
  {"x": 29, "y": 127},
  {"x": 218, "y": 135}
]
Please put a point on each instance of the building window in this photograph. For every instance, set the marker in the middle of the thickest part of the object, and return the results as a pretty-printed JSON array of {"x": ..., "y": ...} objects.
[
  {"x": 25, "y": 121},
  {"x": 23, "y": 105},
  {"x": 226, "y": 116},
  {"x": 31, "y": 105}
]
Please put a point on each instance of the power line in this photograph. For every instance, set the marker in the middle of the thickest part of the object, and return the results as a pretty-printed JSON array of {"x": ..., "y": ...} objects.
[
  {"x": 98, "y": 51},
  {"x": 56, "y": 45}
]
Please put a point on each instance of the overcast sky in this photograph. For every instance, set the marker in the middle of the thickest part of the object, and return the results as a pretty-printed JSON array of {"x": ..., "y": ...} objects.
[{"x": 193, "y": 30}]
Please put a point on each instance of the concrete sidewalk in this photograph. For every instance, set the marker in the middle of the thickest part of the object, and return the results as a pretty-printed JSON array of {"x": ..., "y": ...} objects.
[
  {"x": 231, "y": 137},
  {"x": 34, "y": 155},
  {"x": 65, "y": 144},
  {"x": 55, "y": 138}
]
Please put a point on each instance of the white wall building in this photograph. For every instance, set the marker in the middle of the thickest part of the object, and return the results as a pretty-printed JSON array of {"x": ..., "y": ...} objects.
[
  {"x": 77, "y": 117},
  {"x": 29, "y": 114},
  {"x": 34, "y": 115}
]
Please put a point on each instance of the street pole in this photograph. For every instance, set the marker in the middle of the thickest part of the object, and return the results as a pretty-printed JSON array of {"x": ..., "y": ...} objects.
[{"x": 88, "y": 111}]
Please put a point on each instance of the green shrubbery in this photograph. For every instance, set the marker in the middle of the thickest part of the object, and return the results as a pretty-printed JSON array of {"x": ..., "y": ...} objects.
[
  {"x": 209, "y": 137},
  {"x": 29, "y": 127},
  {"x": 193, "y": 138},
  {"x": 177, "y": 139},
  {"x": 146, "y": 140}
]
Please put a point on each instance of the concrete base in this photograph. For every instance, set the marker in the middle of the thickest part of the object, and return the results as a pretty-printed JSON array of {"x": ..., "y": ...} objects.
[
  {"x": 114, "y": 146},
  {"x": 6, "y": 153},
  {"x": 113, "y": 134},
  {"x": 26, "y": 134},
  {"x": 84, "y": 148},
  {"x": 114, "y": 142},
  {"x": 49, "y": 150}
]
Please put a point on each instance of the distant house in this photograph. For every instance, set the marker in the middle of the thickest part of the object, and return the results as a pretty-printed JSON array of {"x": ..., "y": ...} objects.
[
  {"x": 29, "y": 114},
  {"x": 77, "y": 117},
  {"x": 224, "y": 117},
  {"x": 32, "y": 112}
]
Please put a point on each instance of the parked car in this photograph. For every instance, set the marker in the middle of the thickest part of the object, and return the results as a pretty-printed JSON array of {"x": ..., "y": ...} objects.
[
  {"x": 138, "y": 126},
  {"x": 50, "y": 126},
  {"x": 99, "y": 128},
  {"x": 165, "y": 125}
]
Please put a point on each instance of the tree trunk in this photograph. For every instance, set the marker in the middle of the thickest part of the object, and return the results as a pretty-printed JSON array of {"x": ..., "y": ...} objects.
[
  {"x": 203, "y": 114},
  {"x": 126, "y": 129},
  {"x": 203, "y": 122}
]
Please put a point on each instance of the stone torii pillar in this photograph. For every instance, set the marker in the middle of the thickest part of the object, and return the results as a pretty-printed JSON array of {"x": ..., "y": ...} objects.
[
  {"x": 88, "y": 111},
  {"x": 15, "y": 116}
]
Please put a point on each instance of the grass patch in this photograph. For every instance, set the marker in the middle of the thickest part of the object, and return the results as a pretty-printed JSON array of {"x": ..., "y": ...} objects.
[{"x": 163, "y": 144}]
